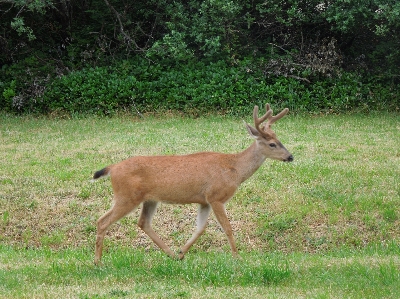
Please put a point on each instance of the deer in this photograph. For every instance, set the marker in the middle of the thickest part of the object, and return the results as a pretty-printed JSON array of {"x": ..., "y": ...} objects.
[{"x": 209, "y": 179}]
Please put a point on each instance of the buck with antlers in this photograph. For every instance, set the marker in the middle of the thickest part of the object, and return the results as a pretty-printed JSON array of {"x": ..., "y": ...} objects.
[{"x": 208, "y": 179}]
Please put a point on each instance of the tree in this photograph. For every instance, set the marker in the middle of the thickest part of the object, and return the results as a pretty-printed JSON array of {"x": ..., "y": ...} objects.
[{"x": 305, "y": 40}]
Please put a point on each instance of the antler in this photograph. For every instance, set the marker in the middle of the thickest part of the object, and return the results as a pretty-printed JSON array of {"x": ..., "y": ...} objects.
[
  {"x": 268, "y": 115},
  {"x": 259, "y": 121}
]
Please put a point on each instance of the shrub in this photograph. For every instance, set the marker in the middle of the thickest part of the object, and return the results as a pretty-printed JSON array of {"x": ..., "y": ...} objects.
[
  {"x": 201, "y": 87},
  {"x": 94, "y": 90}
]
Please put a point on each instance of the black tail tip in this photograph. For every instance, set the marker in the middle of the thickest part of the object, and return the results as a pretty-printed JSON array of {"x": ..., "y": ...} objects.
[{"x": 100, "y": 173}]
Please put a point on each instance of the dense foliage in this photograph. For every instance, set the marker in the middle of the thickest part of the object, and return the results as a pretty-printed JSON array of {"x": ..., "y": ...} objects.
[{"x": 100, "y": 56}]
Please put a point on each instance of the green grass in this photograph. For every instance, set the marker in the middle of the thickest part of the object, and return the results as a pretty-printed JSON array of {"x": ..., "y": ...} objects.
[
  {"x": 306, "y": 229},
  {"x": 44, "y": 273}
]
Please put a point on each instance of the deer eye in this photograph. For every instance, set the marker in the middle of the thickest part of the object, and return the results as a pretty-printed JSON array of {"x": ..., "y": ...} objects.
[{"x": 273, "y": 145}]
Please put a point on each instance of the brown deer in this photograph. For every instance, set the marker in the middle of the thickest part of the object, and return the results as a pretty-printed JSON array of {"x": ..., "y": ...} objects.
[{"x": 209, "y": 179}]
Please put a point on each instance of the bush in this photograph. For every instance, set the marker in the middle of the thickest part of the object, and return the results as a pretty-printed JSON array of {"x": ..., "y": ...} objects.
[
  {"x": 23, "y": 82},
  {"x": 94, "y": 90},
  {"x": 200, "y": 87}
]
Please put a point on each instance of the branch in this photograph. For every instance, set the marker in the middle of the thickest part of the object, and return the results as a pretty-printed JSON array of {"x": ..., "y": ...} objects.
[
  {"x": 121, "y": 26},
  {"x": 299, "y": 78},
  {"x": 279, "y": 47}
]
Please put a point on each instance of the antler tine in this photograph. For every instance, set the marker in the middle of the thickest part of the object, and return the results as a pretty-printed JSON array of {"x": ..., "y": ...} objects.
[
  {"x": 258, "y": 121},
  {"x": 273, "y": 119},
  {"x": 255, "y": 114}
]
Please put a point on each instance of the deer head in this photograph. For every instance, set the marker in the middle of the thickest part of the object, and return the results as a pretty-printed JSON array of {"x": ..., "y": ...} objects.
[{"x": 266, "y": 139}]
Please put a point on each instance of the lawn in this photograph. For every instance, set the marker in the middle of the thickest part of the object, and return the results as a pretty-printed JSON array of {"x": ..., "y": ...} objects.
[{"x": 325, "y": 226}]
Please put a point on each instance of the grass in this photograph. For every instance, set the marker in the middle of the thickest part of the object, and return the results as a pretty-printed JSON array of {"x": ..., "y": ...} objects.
[
  {"x": 45, "y": 273},
  {"x": 306, "y": 229}
]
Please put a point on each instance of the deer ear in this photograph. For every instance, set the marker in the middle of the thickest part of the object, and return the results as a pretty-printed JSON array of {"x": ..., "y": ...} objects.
[{"x": 252, "y": 131}]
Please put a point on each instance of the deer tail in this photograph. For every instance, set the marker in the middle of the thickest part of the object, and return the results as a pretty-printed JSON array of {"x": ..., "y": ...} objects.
[{"x": 101, "y": 173}]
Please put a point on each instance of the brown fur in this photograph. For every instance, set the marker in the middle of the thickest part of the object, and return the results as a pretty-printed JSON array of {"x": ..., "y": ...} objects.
[{"x": 208, "y": 179}]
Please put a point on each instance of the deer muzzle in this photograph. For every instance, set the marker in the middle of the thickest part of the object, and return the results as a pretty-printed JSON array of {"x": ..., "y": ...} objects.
[{"x": 289, "y": 159}]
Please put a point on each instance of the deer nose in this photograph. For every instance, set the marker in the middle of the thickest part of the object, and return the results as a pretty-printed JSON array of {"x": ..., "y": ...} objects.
[{"x": 290, "y": 158}]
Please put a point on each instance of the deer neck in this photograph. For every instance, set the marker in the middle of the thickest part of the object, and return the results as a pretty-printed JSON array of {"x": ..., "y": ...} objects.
[{"x": 249, "y": 161}]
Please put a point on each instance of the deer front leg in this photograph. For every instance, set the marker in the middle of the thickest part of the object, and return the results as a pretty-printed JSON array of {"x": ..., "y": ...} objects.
[
  {"x": 220, "y": 212},
  {"x": 148, "y": 210},
  {"x": 202, "y": 217}
]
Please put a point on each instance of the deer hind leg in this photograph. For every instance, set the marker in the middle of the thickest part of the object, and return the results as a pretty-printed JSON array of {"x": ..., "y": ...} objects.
[
  {"x": 220, "y": 213},
  {"x": 202, "y": 217},
  {"x": 148, "y": 210},
  {"x": 119, "y": 210}
]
